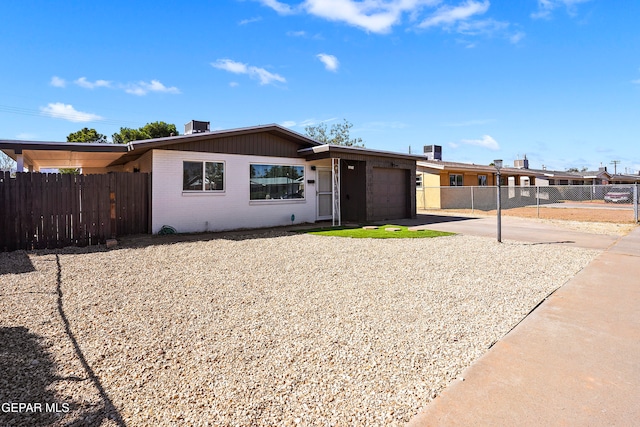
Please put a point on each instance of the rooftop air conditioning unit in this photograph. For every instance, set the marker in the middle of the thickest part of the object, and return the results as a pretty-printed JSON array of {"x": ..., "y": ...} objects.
[
  {"x": 433, "y": 152},
  {"x": 195, "y": 126}
]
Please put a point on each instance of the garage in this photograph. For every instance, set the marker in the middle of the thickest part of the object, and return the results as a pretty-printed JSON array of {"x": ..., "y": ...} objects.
[
  {"x": 374, "y": 185},
  {"x": 390, "y": 195}
]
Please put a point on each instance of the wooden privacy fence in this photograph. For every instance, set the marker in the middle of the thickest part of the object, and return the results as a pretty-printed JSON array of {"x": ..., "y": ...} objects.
[{"x": 40, "y": 211}]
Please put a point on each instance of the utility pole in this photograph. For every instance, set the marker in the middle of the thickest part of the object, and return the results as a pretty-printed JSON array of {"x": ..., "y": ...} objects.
[{"x": 615, "y": 164}]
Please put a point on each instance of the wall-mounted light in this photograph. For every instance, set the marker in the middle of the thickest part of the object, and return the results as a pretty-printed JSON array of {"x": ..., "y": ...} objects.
[{"x": 313, "y": 168}]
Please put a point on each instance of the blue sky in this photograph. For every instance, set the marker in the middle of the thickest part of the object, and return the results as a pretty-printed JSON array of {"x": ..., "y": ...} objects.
[{"x": 557, "y": 80}]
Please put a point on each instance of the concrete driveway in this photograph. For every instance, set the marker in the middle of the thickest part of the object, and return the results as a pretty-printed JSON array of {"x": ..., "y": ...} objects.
[{"x": 513, "y": 228}]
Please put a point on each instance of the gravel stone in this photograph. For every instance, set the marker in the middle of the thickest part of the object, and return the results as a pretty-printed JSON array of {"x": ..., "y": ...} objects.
[{"x": 261, "y": 329}]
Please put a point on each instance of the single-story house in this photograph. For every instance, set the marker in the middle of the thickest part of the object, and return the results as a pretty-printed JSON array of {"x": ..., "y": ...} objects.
[
  {"x": 625, "y": 179},
  {"x": 432, "y": 174},
  {"x": 252, "y": 177}
]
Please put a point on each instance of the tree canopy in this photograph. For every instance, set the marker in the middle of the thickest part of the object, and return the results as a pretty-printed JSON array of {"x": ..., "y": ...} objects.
[
  {"x": 338, "y": 134},
  {"x": 6, "y": 162},
  {"x": 86, "y": 135},
  {"x": 148, "y": 131}
]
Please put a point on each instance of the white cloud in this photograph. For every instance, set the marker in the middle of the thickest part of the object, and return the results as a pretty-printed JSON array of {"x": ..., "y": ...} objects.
[
  {"x": 230, "y": 66},
  {"x": 288, "y": 123},
  {"x": 264, "y": 76},
  {"x": 57, "y": 82},
  {"x": 59, "y": 110},
  {"x": 234, "y": 84},
  {"x": 330, "y": 62},
  {"x": 636, "y": 82},
  {"x": 142, "y": 88},
  {"x": 486, "y": 141},
  {"x": 516, "y": 37},
  {"x": 377, "y": 16},
  {"x": 546, "y": 7},
  {"x": 83, "y": 82},
  {"x": 281, "y": 8},
  {"x": 448, "y": 15},
  {"x": 250, "y": 20}
]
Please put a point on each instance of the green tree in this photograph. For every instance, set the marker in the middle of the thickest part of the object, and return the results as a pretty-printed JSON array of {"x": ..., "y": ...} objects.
[
  {"x": 337, "y": 135},
  {"x": 159, "y": 129},
  {"x": 86, "y": 135},
  {"x": 148, "y": 131},
  {"x": 127, "y": 135}
]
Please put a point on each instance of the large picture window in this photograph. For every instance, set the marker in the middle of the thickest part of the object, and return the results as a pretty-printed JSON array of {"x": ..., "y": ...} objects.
[
  {"x": 276, "y": 182},
  {"x": 202, "y": 176}
]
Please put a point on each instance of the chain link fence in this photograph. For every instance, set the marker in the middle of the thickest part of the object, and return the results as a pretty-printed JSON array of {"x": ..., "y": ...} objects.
[{"x": 610, "y": 203}]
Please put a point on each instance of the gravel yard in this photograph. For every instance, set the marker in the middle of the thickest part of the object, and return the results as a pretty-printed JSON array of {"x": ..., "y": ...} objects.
[{"x": 266, "y": 329}]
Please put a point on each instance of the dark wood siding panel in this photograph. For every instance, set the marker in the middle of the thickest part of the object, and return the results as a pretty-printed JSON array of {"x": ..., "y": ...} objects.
[{"x": 258, "y": 144}]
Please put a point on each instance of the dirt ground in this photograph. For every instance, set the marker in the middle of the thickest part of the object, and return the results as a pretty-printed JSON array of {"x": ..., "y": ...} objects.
[{"x": 618, "y": 216}]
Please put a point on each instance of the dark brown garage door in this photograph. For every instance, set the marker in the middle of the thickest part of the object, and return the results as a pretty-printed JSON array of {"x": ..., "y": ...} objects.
[{"x": 390, "y": 193}]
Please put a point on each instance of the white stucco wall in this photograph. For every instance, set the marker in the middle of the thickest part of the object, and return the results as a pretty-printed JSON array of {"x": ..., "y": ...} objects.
[{"x": 208, "y": 211}]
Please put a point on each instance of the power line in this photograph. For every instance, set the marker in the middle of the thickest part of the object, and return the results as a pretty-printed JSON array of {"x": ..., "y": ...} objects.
[{"x": 73, "y": 117}]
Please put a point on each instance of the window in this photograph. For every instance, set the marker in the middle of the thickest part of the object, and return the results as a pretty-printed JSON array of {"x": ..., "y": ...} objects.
[
  {"x": 202, "y": 176},
  {"x": 276, "y": 182},
  {"x": 455, "y": 180},
  {"x": 482, "y": 180},
  {"x": 419, "y": 180}
]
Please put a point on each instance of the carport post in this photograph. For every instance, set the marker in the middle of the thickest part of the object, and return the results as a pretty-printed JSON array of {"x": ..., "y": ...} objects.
[
  {"x": 498, "y": 165},
  {"x": 335, "y": 191}
]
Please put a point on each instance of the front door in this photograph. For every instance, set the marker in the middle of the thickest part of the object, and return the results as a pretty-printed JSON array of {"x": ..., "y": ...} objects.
[{"x": 324, "y": 193}]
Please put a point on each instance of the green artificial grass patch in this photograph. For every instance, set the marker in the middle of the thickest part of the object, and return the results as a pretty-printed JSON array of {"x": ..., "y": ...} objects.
[{"x": 379, "y": 233}]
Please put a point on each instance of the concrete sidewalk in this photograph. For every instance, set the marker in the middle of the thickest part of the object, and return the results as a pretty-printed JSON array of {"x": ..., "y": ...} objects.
[{"x": 574, "y": 361}]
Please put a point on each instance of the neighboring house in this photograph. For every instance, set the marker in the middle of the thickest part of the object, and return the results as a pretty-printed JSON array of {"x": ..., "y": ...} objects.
[
  {"x": 432, "y": 174},
  {"x": 252, "y": 177},
  {"x": 625, "y": 179},
  {"x": 546, "y": 177}
]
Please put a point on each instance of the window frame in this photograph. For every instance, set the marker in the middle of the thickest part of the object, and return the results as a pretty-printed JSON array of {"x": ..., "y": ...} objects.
[
  {"x": 419, "y": 180},
  {"x": 203, "y": 172},
  {"x": 281, "y": 199},
  {"x": 486, "y": 181},
  {"x": 452, "y": 180}
]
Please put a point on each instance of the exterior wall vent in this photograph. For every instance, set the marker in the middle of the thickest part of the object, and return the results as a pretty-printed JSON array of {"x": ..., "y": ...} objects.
[
  {"x": 433, "y": 152},
  {"x": 195, "y": 126}
]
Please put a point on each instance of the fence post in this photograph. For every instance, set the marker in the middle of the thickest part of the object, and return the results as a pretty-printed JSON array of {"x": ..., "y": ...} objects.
[
  {"x": 472, "y": 200},
  {"x": 538, "y": 200},
  {"x": 635, "y": 203}
]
